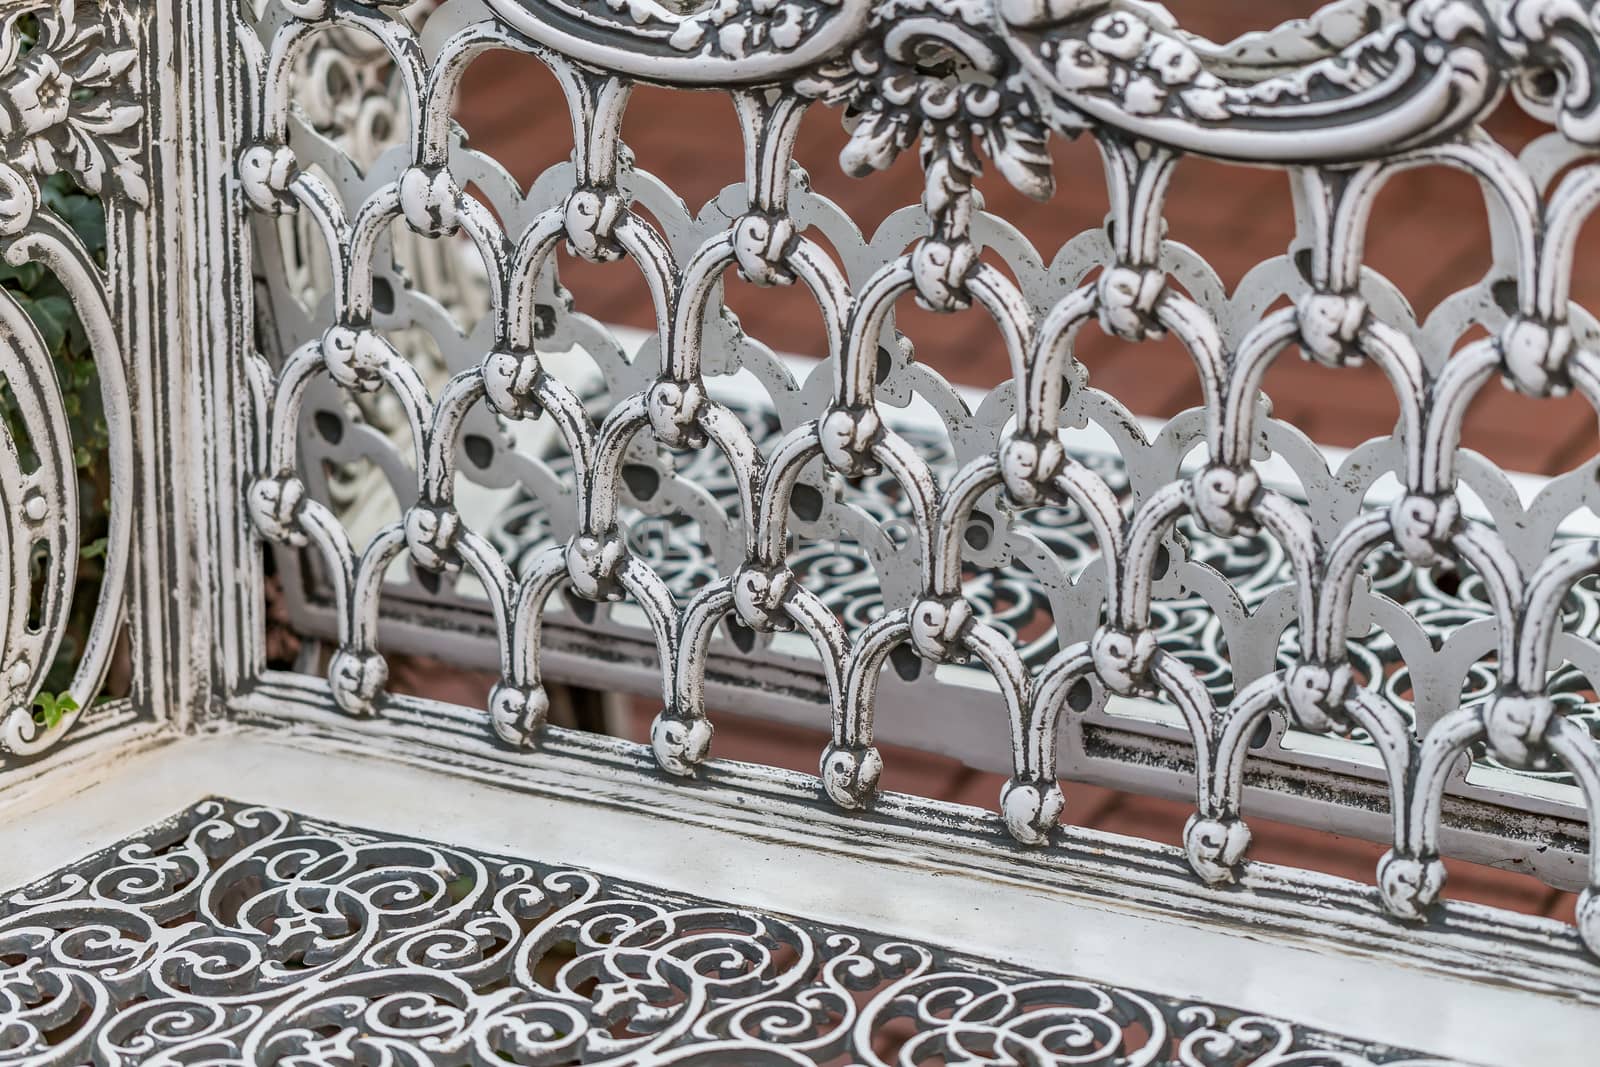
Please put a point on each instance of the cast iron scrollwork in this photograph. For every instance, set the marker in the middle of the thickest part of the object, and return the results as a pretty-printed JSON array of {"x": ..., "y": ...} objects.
[
  {"x": 252, "y": 936},
  {"x": 70, "y": 104},
  {"x": 1341, "y": 102}
]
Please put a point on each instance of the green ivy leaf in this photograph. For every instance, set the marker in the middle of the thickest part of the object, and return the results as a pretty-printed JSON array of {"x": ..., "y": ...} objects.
[
  {"x": 53, "y": 707},
  {"x": 85, "y": 214},
  {"x": 23, "y": 276},
  {"x": 88, "y": 219},
  {"x": 460, "y": 888},
  {"x": 51, "y": 315}
]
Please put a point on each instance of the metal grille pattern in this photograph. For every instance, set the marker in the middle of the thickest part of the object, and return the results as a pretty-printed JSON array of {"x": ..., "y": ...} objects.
[
  {"x": 1012, "y": 598},
  {"x": 1342, "y": 101},
  {"x": 249, "y": 935}
]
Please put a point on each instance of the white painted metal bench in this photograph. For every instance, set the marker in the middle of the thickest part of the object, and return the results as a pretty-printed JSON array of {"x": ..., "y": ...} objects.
[{"x": 332, "y": 343}]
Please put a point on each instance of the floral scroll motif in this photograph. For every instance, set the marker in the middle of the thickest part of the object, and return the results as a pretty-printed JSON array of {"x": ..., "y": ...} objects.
[
  {"x": 252, "y": 936},
  {"x": 727, "y": 28},
  {"x": 935, "y": 70},
  {"x": 70, "y": 95},
  {"x": 1365, "y": 77},
  {"x": 723, "y": 41},
  {"x": 1417, "y": 77}
]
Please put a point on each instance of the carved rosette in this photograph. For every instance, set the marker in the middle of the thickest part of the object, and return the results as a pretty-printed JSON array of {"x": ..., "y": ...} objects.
[
  {"x": 70, "y": 96},
  {"x": 935, "y": 70}
]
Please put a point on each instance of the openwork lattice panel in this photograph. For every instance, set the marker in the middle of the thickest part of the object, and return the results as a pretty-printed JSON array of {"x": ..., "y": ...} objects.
[
  {"x": 248, "y": 935},
  {"x": 402, "y": 376},
  {"x": 72, "y": 196}
]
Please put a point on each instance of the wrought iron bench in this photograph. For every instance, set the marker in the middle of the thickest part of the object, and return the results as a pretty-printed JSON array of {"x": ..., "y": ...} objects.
[{"x": 332, "y": 357}]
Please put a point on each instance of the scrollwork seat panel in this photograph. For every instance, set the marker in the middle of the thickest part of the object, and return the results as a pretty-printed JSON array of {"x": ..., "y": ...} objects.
[{"x": 327, "y": 944}]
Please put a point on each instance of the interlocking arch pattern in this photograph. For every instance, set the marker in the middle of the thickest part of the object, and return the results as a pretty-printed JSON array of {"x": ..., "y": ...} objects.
[{"x": 1342, "y": 102}]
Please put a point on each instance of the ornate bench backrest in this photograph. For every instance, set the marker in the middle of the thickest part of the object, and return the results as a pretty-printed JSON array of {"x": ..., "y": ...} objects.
[{"x": 377, "y": 378}]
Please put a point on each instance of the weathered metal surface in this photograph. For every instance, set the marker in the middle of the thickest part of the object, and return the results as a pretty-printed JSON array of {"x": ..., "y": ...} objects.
[
  {"x": 1343, "y": 101},
  {"x": 71, "y": 103},
  {"x": 424, "y": 330},
  {"x": 1500, "y": 988},
  {"x": 251, "y": 935}
]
